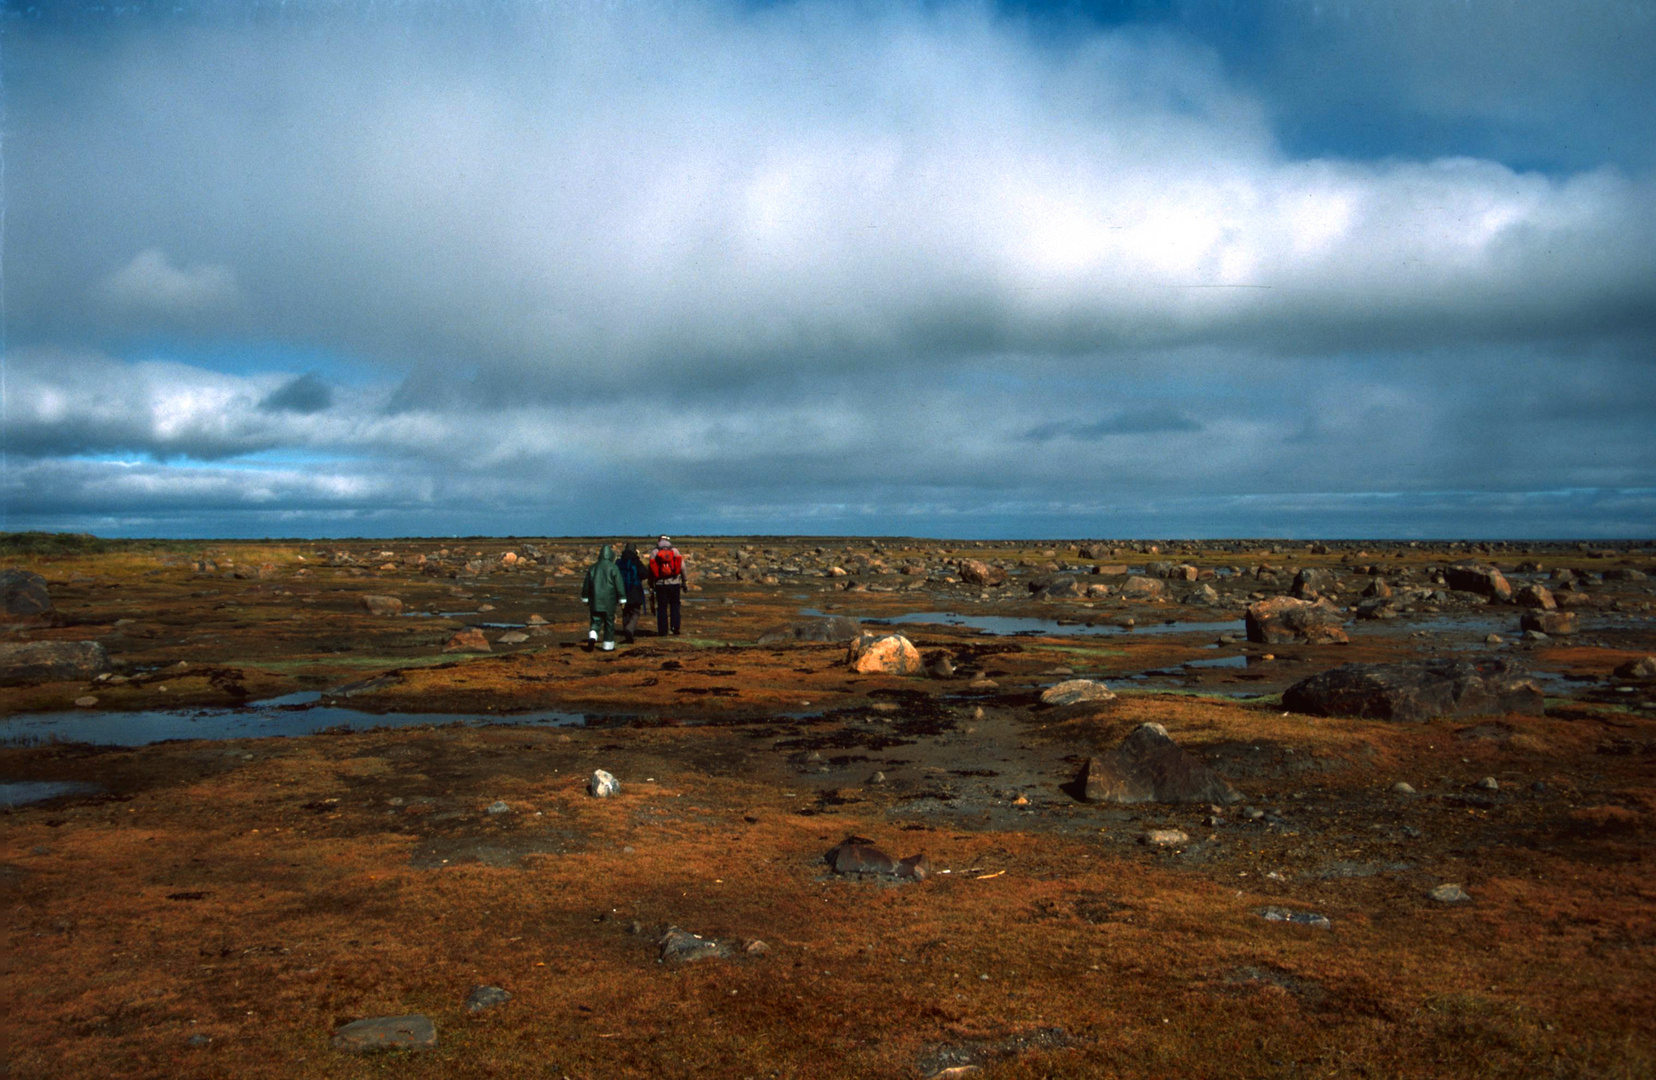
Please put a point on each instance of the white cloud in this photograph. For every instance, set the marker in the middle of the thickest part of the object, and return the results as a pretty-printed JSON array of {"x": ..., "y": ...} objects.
[{"x": 151, "y": 285}]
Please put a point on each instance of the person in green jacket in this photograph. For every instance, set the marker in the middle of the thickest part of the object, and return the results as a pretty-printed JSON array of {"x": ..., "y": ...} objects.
[{"x": 603, "y": 590}]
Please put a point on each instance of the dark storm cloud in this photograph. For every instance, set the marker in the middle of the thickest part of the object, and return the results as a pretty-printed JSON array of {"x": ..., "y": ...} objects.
[
  {"x": 306, "y": 394},
  {"x": 1148, "y": 421}
]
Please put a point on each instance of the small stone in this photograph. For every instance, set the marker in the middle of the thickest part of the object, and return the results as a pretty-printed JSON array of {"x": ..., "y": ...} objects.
[
  {"x": 756, "y": 948},
  {"x": 877, "y": 778},
  {"x": 414, "y": 1032},
  {"x": 513, "y": 637},
  {"x": 1403, "y": 787},
  {"x": 86, "y": 701},
  {"x": 1643, "y": 668},
  {"x": 481, "y": 997},
  {"x": 683, "y": 947},
  {"x": 381, "y": 605},
  {"x": 1449, "y": 894},
  {"x": 1489, "y": 783},
  {"x": 1164, "y": 838},
  {"x": 602, "y": 785},
  {"x": 1494, "y": 639},
  {"x": 498, "y": 807},
  {"x": 1298, "y": 918},
  {"x": 469, "y": 640}
]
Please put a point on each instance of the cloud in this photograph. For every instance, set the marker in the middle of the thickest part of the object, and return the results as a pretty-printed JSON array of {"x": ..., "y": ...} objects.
[
  {"x": 306, "y": 394},
  {"x": 151, "y": 285},
  {"x": 636, "y": 199},
  {"x": 1145, "y": 421}
]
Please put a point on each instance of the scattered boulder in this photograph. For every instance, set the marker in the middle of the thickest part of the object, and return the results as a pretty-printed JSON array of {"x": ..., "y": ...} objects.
[
  {"x": 1284, "y": 619},
  {"x": 603, "y": 785},
  {"x": 683, "y": 947},
  {"x": 1311, "y": 583},
  {"x": 1074, "y": 691},
  {"x": 513, "y": 637},
  {"x": 1625, "y": 573},
  {"x": 1112, "y": 569},
  {"x": 1536, "y": 596},
  {"x": 1417, "y": 690},
  {"x": 1164, "y": 838},
  {"x": 892, "y": 654},
  {"x": 468, "y": 640},
  {"x": 413, "y": 1032},
  {"x": 1644, "y": 668},
  {"x": 381, "y": 605},
  {"x": 856, "y": 856},
  {"x": 23, "y": 595},
  {"x": 1449, "y": 894},
  {"x": 1059, "y": 587},
  {"x": 483, "y": 997},
  {"x": 1142, "y": 588},
  {"x": 1551, "y": 623},
  {"x": 1149, "y": 766},
  {"x": 1480, "y": 579},
  {"x": 23, "y": 663},
  {"x": 1202, "y": 596},
  {"x": 976, "y": 572},
  {"x": 832, "y": 629}
]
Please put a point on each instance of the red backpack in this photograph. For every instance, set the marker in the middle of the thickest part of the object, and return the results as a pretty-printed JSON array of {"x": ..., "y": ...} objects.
[{"x": 666, "y": 563}]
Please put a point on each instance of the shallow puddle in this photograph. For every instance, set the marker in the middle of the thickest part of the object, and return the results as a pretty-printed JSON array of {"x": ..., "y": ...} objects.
[
  {"x": 23, "y": 792},
  {"x": 1012, "y": 626},
  {"x": 290, "y": 715}
]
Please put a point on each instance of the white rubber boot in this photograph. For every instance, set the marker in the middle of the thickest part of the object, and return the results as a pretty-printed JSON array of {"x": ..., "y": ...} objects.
[
  {"x": 592, "y": 635},
  {"x": 609, "y": 646}
]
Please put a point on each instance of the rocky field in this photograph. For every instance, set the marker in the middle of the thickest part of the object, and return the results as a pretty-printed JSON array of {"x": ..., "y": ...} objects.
[{"x": 892, "y": 808}]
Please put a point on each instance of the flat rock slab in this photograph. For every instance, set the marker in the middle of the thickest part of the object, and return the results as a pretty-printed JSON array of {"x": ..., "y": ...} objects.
[
  {"x": 482, "y": 997},
  {"x": 833, "y": 629},
  {"x": 1149, "y": 766},
  {"x": 1075, "y": 691},
  {"x": 24, "y": 663},
  {"x": 1417, "y": 690},
  {"x": 414, "y": 1032}
]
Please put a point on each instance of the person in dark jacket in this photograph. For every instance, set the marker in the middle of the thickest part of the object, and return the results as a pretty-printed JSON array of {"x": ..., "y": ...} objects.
[
  {"x": 667, "y": 577},
  {"x": 633, "y": 573},
  {"x": 602, "y": 591}
]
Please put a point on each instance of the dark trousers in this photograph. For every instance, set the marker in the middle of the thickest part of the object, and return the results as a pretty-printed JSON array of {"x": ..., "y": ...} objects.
[
  {"x": 667, "y": 608},
  {"x": 631, "y": 613}
]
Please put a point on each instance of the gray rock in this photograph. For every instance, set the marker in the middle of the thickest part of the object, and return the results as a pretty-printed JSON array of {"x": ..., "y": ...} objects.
[
  {"x": 602, "y": 785},
  {"x": 833, "y": 629},
  {"x": 1403, "y": 788},
  {"x": 24, "y": 663},
  {"x": 413, "y": 1032},
  {"x": 683, "y": 947},
  {"x": 974, "y": 572},
  {"x": 1449, "y": 894},
  {"x": 1417, "y": 690},
  {"x": 1059, "y": 587},
  {"x": 1202, "y": 596},
  {"x": 1476, "y": 578},
  {"x": 1074, "y": 691},
  {"x": 483, "y": 997},
  {"x": 1551, "y": 623},
  {"x": 1643, "y": 668},
  {"x": 1149, "y": 766},
  {"x": 381, "y": 605},
  {"x": 1311, "y": 583},
  {"x": 1283, "y": 619},
  {"x": 1298, "y": 918},
  {"x": 1488, "y": 783},
  {"x": 498, "y": 807},
  {"x": 23, "y": 595},
  {"x": 1164, "y": 838},
  {"x": 513, "y": 637},
  {"x": 1142, "y": 588}
]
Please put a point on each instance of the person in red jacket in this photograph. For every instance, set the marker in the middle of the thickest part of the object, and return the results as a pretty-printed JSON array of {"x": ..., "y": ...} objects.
[{"x": 667, "y": 579}]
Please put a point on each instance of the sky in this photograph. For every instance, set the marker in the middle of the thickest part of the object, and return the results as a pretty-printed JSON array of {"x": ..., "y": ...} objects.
[{"x": 1151, "y": 268}]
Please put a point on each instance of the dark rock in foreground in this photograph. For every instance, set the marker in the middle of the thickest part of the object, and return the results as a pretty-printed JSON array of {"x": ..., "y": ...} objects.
[
  {"x": 23, "y": 595},
  {"x": 858, "y": 857},
  {"x": 1417, "y": 690},
  {"x": 51, "y": 661},
  {"x": 1284, "y": 619},
  {"x": 1148, "y": 766},
  {"x": 683, "y": 947},
  {"x": 414, "y": 1032},
  {"x": 482, "y": 997},
  {"x": 833, "y": 629}
]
